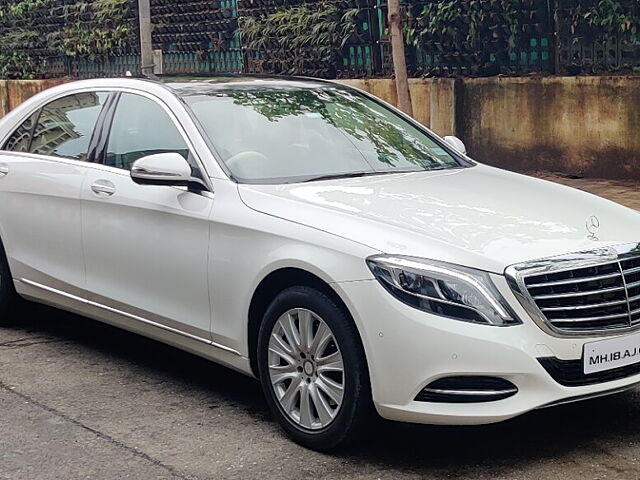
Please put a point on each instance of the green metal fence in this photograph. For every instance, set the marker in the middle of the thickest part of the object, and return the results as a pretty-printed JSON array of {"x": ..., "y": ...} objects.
[{"x": 200, "y": 37}]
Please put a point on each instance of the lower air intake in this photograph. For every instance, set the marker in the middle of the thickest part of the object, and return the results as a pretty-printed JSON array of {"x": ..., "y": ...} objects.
[{"x": 467, "y": 389}]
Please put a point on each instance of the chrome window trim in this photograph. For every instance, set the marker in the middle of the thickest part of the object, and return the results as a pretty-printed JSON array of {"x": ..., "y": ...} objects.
[
  {"x": 516, "y": 274},
  {"x": 112, "y": 89},
  {"x": 176, "y": 123},
  {"x": 44, "y": 103},
  {"x": 46, "y": 158}
]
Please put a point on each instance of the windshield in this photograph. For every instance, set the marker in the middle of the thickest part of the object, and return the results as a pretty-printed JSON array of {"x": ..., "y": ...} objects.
[{"x": 288, "y": 135}]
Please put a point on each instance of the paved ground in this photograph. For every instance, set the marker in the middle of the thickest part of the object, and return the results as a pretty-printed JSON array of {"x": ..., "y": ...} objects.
[
  {"x": 79, "y": 399},
  {"x": 624, "y": 192}
]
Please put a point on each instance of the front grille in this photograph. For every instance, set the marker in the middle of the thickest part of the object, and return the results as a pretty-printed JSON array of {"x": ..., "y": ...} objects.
[{"x": 603, "y": 296}]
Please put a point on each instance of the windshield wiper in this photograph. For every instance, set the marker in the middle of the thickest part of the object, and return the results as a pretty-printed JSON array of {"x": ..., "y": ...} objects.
[
  {"x": 342, "y": 175},
  {"x": 366, "y": 174}
]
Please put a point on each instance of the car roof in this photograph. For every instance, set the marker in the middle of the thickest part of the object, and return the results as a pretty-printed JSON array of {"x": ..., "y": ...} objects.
[
  {"x": 193, "y": 85},
  {"x": 184, "y": 86}
]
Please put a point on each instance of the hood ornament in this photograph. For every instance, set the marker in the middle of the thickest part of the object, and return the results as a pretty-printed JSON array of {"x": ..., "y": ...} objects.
[{"x": 592, "y": 225}]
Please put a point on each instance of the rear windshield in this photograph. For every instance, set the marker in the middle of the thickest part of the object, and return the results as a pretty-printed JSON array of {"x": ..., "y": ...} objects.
[{"x": 288, "y": 135}]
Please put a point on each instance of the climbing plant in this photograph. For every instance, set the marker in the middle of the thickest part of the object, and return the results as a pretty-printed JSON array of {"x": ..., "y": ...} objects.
[
  {"x": 300, "y": 39},
  {"x": 33, "y": 30},
  {"x": 17, "y": 43},
  {"x": 472, "y": 30},
  {"x": 598, "y": 36},
  {"x": 604, "y": 16},
  {"x": 93, "y": 29}
]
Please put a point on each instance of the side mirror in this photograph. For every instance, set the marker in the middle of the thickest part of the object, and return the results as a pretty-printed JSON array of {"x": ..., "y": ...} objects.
[
  {"x": 456, "y": 143},
  {"x": 163, "y": 169}
]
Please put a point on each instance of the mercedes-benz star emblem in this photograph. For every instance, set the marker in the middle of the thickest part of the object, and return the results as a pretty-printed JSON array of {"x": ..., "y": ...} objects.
[{"x": 593, "y": 225}]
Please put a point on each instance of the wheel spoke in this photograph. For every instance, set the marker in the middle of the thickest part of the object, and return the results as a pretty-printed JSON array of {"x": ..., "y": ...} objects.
[
  {"x": 320, "y": 341},
  {"x": 333, "y": 390},
  {"x": 280, "y": 373},
  {"x": 306, "y": 414},
  {"x": 305, "y": 320},
  {"x": 324, "y": 411},
  {"x": 330, "y": 363},
  {"x": 290, "y": 331},
  {"x": 289, "y": 396},
  {"x": 277, "y": 346}
]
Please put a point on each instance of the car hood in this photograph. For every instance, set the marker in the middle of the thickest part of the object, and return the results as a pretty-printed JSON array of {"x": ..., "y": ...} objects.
[{"x": 481, "y": 217}]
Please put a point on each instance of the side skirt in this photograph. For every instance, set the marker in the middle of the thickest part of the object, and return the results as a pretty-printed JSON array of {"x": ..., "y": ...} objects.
[{"x": 202, "y": 347}]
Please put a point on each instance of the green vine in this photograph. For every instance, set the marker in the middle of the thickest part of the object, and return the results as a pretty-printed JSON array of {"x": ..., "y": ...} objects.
[
  {"x": 296, "y": 38},
  {"x": 460, "y": 24},
  {"x": 604, "y": 16},
  {"x": 16, "y": 43},
  {"x": 93, "y": 29}
]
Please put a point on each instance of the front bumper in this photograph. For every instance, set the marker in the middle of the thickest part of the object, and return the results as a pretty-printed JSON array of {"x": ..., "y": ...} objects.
[{"x": 408, "y": 349}]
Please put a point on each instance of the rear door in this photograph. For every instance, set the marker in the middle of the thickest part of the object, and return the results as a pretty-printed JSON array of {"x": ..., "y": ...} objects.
[
  {"x": 146, "y": 247},
  {"x": 42, "y": 169}
]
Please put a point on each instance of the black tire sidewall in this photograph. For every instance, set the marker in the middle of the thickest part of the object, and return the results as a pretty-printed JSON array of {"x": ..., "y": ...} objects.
[
  {"x": 6, "y": 290},
  {"x": 352, "y": 413},
  {"x": 8, "y": 295}
]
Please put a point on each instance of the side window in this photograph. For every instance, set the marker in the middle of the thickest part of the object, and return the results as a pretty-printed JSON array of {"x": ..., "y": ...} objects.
[
  {"x": 19, "y": 140},
  {"x": 141, "y": 127},
  {"x": 65, "y": 125}
]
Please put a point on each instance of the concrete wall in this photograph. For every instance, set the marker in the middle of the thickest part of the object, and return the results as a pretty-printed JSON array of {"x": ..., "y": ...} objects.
[
  {"x": 577, "y": 125},
  {"x": 586, "y": 126}
]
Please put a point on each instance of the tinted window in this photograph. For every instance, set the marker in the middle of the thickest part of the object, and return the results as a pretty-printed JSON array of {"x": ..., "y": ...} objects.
[
  {"x": 19, "y": 141},
  {"x": 279, "y": 134},
  {"x": 65, "y": 126},
  {"x": 141, "y": 127}
]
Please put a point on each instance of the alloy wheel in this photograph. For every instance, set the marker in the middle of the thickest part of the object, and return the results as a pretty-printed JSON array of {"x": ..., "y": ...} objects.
[{"x": 306, "y": 369}]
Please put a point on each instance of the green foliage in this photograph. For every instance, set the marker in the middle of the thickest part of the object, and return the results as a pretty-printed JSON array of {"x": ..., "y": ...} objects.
[
  {"x": 19, "y": 9},
  {"x": 18, "y": 65},
  {"x": 604, "y": 16},
  {"x": 460, "y": 22},
  {"x": 295, "y": 36},
  {"x": 93, "y": 29},
  {"x": 16, "y": 42}
]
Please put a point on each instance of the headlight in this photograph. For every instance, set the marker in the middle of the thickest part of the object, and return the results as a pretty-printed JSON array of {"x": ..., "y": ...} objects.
[{"x": 443, "y": 289}]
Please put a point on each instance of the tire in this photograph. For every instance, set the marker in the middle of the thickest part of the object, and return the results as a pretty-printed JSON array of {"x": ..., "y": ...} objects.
[
  {"x": 316, "y": 416},
  {"x": 8, "y": 295}
]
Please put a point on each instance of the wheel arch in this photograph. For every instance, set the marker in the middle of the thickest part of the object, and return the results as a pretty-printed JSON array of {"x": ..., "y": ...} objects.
[{"x": 269, "y": 287}]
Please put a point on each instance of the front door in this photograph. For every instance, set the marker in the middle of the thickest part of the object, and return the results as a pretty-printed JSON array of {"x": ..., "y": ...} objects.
[{"x": 146, "y": 247}]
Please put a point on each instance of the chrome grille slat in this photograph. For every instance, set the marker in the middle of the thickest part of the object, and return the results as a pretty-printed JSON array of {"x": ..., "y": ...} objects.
[
  {"x": 586, "y": 307},
  {"x": 569, "y": 281},
  {"x": 590, "y": 319},
  {"x": 581, "y": 294},
  {"x": 586, "y": 292}
]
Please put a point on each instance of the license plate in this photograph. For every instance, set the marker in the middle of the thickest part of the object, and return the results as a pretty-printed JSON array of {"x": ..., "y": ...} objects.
[{"x": 611, "y": 353}]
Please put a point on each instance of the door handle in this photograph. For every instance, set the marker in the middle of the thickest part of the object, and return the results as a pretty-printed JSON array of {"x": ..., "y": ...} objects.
[
  {"x": 4, "y": 169},
  {"x": 103, "y": 188}
]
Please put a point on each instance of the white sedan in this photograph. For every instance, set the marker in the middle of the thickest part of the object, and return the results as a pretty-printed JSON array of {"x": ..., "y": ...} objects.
[{"x": 310, "y": 235}]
